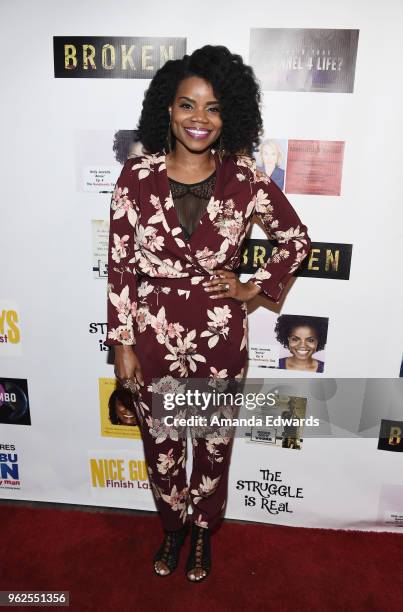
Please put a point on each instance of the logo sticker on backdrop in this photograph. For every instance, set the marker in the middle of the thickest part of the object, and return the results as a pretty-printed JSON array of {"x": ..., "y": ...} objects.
[
  {"x": 292, "y": 59},
  {"x": 119, "y": 475},
  {"x": 325, "y": 260},
  {"x": 269, "y": 493},
  {"x": 113, "y": 57},
  {"x": 14, "y": 401},
  {"x": 10, "y": 329},
  {"x": 9, "y": 467},
  {"x": 391, "y": 436},
  {"x": 117, "y": 410}
]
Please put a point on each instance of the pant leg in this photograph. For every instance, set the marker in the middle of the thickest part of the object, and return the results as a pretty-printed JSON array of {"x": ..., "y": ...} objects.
[
  {"x": 209, "y": 344},
  {"x": 208, "y": 489},
  {"x": 166, "y": 465},
  {"x": 209, "y": 480}
]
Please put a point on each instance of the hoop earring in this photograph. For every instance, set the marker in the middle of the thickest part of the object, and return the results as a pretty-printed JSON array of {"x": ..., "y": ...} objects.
[{"x": 169, "y": 137}]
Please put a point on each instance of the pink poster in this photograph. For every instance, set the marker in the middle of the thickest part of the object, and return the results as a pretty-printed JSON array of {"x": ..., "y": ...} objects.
[{"x": 314, "y": 167}]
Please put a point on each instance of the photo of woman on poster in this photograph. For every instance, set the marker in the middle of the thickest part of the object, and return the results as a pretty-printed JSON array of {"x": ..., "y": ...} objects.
[
  {"x": 126, "y": 143},
  {"x": 303, "y": 336},
  {"x": 121, "y": 408},
  {"x": 296, "y": 409},
  {"x": 270, "y": 161}
]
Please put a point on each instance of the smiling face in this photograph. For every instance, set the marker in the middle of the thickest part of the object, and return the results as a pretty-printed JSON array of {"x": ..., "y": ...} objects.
[
  {"x": 195, "y": 115},
  {"x": 303, "y": 342},
  {"x": 124, "y": 414}
]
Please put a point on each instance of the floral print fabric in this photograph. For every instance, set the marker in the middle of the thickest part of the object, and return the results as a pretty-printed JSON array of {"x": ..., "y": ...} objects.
[
  {"x": 146, "y": 237},
  {"x": 156, "y": 302}
]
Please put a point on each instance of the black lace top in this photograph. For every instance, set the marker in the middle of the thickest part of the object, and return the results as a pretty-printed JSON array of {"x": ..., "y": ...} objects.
[{"x": 191, "y": 201}]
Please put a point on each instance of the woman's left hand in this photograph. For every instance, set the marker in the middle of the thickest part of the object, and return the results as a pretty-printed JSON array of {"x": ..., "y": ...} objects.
[{"x": 243, "y": 292}]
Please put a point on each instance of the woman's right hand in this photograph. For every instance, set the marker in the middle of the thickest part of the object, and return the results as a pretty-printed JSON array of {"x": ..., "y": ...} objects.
[{"x": 127, "y": 364}]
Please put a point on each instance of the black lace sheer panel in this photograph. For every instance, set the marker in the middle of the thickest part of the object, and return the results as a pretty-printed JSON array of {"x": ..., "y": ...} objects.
[{"x": 191, "y": 201}]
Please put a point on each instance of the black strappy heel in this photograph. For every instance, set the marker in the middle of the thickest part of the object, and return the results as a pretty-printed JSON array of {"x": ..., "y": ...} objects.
[
  {"x": 200, "y": 553},
  {"x": 169, "y": 551}
]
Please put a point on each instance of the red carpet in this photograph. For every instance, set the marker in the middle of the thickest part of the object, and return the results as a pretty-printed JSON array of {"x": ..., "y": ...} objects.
[{"x": 104, "y": 560}]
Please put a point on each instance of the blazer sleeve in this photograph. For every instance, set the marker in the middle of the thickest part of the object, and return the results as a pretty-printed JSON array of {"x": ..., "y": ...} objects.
[
  {"x": 283, "y": 225},
  {"x": 122, "y": 277}
]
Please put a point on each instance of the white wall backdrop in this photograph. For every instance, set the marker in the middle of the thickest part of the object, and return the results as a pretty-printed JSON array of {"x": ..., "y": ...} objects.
[{"x": 46, "y": 249}]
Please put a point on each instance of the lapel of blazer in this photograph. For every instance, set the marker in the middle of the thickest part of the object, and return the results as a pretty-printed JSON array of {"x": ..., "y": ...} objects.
[
  {"x": 199, "y": 235},
  {"x": 161, "y": 208}
]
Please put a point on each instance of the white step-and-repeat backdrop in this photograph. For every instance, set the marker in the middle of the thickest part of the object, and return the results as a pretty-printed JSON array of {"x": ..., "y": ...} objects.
[{"x": 74, "y": 76}]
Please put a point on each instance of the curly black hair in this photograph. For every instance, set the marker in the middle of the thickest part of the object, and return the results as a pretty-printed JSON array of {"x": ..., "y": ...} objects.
[
  {"x": 122, "y": 141},
  {"x": 124, "y": 397},
  {"x": 234, "y": 84},
  {"x": 286, "y": 323}
]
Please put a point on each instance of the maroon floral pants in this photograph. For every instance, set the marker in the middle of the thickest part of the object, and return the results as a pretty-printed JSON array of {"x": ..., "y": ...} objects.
[{"x": 182, "y": 333}]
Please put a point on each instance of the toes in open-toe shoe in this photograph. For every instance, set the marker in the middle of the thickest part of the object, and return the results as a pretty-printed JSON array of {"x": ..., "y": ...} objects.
[
  {"x": 198, "y": 565},
  {"x": 167, "y": 557}
]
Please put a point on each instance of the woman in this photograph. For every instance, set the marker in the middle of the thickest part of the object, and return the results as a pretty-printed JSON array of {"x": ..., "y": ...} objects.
[
  {"x": 271, "y": 155},
  {"x": 121, "y": 409},
  {"x": 179, "y": 216},
  {"x": 126, "y": 144},
  {"x": 292, "y": 433},
  {"x": 303, "y": 336}
]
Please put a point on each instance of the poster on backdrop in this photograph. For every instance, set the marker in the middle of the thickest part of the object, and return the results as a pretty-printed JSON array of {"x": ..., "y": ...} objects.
[
  {"x": 117, "y": 411},
  {"x": 113, "y": 57},
  {"x": 10, "y": 478},
  {"x": 292, "y": 59},
  {"x": 291, "y": 342},
  {"x": 285, "y": 427},
  {"x": 271, "y": 158},
  {"x": 311, "y": 167},
  {"x": 121, "y": 476},
  {"x": 266, "y": 494},
  {"x": 10, "y": 329},
  {"x": 314, "y": 167},
  {"x": 14, "y": 401},
  {"x": 100, "y": 155},
  {"x": 325, "y": 259}
]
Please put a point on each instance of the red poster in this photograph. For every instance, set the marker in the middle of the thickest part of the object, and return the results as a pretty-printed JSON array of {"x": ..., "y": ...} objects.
[{"x": 314, "y": 167}]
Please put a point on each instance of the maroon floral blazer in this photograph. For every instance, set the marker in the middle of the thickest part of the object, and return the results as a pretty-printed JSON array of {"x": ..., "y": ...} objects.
[{"x": 146, "y": 237}]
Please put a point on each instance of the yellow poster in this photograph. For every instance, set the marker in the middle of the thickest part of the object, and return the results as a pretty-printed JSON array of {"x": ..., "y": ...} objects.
[{"x": 117, "y": 411}]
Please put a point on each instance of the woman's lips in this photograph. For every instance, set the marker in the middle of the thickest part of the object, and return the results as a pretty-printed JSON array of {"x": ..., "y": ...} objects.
[{"x": 198, "y": 133}]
